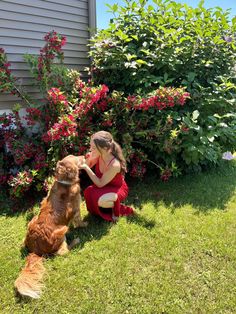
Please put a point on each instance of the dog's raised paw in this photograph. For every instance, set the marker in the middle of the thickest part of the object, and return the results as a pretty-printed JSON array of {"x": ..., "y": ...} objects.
[{"x": 83, "y": 224}]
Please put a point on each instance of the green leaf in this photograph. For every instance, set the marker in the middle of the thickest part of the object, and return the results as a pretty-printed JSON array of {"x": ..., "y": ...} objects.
[
  {"x": 191, "y": 76},
  {"x": 195, "y": 115},
  {"x": 113, "y": 8},
  {"x": 130, "y": 57},
  {"x": 213, "y": 119},
  {"x": 204, "y": 140},
  {"x": 165, "y": 77},
  {"x": 134, "y": 37},
  {"x": 211, "y": 139},
  {"x": 140, "y": 62}
]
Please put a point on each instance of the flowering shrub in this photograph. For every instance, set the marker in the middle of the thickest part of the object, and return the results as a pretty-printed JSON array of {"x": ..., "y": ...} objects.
[
  {"x": 162, "y": 98},
  {"x": 21, "y": 183},
  {"x": 138, "y": 165},
  {"x": 52, "y": 49},
  {"x": 150, "y": 44},
  {"x": 158, "y": 130},
  {"x": 6, "y": 79},
  {"x": 46, "y": 73}
]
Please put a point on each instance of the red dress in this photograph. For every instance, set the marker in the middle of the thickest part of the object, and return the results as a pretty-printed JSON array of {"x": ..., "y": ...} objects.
[{"x": 116, "y": 185}]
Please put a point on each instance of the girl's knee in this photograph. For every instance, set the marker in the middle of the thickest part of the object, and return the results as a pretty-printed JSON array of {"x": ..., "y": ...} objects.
[
  {"x": 107, "y": 200},
  {"x": 105, "y": 204},
  {"x": 109, "y": 197}
]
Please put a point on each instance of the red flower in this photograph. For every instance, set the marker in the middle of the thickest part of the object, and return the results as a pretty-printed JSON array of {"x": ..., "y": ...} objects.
[{"x": 166, "y": 174}]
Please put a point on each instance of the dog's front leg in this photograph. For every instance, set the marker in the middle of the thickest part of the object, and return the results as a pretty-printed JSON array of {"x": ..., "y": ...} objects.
[
  {"x": 77, "y": 220},
  {"x": 65, "y": 248}
]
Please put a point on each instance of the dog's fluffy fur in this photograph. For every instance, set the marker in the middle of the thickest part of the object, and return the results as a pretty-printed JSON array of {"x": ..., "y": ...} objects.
[{"x": 46, "y": 232}]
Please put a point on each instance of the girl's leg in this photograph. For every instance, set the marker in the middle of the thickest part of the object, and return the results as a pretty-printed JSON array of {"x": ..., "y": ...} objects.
[
  {"x": 110, "y": 200},
  {"x": 88, "y": 196},
  {"x": 107, "y": 200}
]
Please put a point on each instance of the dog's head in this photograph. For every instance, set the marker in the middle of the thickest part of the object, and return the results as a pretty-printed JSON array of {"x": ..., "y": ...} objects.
[{"x": 67, "y": 170}]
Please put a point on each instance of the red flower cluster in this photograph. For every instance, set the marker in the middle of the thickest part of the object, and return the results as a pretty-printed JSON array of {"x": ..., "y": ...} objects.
[
  {"x": 91, "y": 98},
  {"x": 56, "y": 97},
  {"x": 63, "y": 129},
  {"x": 138, "y": 166},
  {"x": 7, "y": 121},
  {"x": 3, "y": 179},
  {"x": 20, "y": 183},
  {"x": 6, "y": 78},
  {"x": 166, "y": 174},
  {"x": 165, "y": 97},
  {"x": 131, "y": 102},
  {"x": 40, "y": 160},
  {"x": 21, "y": 154},
  {"x": 52, "y": 49},
  {"x": 184, "y": 128},
  {"x": 55, "y": 41},
  {"x": 33, "y": 115},
  {"x": 108, "y": 123}
]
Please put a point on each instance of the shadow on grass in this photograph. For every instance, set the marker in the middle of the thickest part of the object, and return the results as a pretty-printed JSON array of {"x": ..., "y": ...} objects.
[
  {"x": 205, "y": 191},
  {"x": 141, "y": 221},
  {"x": 11, "y": 208},
  {"x": 95, "y": 230}
]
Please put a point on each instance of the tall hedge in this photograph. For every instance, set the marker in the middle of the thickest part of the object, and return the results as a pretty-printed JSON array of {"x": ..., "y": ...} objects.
[{"x": 166, "y": 43}]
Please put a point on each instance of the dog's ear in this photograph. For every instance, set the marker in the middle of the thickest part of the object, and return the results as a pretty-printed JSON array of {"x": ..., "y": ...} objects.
[{"x": 60, "y": 168}]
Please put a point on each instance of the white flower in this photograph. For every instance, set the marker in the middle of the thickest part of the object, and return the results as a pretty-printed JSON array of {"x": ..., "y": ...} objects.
[{"x": 228, "y": 156}]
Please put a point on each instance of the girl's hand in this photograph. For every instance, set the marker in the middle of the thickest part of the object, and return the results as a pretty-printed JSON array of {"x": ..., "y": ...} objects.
[
  {"x": 91, "y": 159},
  {"x": 83, "y": 164},
  {"x": 80, "y": 160}
]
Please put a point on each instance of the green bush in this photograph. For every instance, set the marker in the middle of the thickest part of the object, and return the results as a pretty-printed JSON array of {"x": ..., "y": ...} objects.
[
  {"x": 172, "y": 44},
  {"x": 168, "y": 43}
]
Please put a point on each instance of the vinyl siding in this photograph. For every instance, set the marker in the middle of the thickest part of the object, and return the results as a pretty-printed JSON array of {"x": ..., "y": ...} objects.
[{"x": 24, "y": 23}]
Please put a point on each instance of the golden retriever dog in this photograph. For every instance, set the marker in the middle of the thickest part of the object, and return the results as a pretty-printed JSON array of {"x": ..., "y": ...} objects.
[{"x": 46, "y": 232}]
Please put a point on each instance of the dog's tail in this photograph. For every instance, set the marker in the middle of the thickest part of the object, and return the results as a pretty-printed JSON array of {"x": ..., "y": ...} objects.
[{"x": 29, "y": 282}]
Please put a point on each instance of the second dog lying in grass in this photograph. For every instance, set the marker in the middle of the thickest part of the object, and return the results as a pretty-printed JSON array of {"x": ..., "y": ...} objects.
[{"x": 46, "y": 232}]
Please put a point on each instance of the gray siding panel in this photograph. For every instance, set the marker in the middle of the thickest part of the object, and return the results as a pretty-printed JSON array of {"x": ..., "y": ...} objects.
[
  {"x": 18, "y": 33},
  {"x": 53, "y": 21},
  {"x": 23, "y": 24},
  {"x": 70, "y": 8},
  {"x": 21, "y": 50},
  {"x": 7, "y": 41},
  {"x": 33, "y": 11}
]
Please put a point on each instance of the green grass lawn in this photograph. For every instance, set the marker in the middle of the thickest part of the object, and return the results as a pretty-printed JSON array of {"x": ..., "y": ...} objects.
[{"x": 177, "y": 255}]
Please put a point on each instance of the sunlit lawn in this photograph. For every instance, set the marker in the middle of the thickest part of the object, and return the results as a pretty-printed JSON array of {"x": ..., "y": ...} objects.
[{"x": 177, "y": 255}]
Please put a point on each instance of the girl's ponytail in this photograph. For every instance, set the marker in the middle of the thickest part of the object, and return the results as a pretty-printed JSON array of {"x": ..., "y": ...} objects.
[{"x": 118, "y": 154}]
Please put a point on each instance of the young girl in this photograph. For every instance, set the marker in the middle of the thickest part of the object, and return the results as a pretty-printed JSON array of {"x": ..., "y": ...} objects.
[{"x": 109, "y": 187}]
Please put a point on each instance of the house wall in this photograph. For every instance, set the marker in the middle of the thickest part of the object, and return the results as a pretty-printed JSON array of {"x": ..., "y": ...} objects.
[{"x": 24, "y": 23}]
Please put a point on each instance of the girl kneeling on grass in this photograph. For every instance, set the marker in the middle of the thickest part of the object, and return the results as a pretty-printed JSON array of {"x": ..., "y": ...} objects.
[{"x": 109, "y": 189}]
